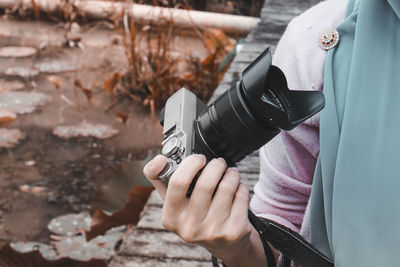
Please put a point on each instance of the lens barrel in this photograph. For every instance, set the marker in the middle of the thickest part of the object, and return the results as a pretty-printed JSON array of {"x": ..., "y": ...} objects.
[
  {"x": 228, "y": 129},
  {"x": 252, "y": 112}
]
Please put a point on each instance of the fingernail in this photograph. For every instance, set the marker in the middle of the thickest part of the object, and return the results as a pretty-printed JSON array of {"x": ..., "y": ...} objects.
[
  {"x": 158, "y": 157},
  {"x": 234, "y": 169},
  {"x": 201, "y": 157},
  {"x": 223, "y": 160},
  {"x": 149, "y": 165}
]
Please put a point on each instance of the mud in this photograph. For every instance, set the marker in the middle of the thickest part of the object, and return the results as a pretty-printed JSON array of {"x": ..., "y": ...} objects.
[{"x": 45, "y": 176}]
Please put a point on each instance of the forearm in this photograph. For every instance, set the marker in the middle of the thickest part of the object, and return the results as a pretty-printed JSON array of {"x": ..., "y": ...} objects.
[{"x": 252, "y": 254}]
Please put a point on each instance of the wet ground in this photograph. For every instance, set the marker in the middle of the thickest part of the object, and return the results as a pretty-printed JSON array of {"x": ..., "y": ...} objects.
[{"x": 44, "y": 175}]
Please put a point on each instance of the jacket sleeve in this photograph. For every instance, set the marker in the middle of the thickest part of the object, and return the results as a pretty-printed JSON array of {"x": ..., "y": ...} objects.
[{"x": 288, "y": 161}]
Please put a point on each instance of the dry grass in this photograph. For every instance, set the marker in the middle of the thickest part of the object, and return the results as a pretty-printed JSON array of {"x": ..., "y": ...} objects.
[{"x": 156, "y": 70}]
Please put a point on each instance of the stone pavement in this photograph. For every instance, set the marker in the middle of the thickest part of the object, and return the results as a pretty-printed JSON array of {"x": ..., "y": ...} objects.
[{"x": 149, "y": 244}]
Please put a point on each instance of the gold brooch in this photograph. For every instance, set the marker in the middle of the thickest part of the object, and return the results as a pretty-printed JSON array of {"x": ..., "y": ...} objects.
[{"x": 329, "y": 39}]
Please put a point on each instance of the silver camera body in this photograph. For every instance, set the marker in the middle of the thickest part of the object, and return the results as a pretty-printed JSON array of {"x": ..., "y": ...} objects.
[
  {"x": 239, "y": 122},
  {"x": 180, "y": 112}
]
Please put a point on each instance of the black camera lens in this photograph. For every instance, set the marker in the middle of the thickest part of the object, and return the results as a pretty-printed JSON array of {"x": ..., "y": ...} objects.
[
  {"x": 252, "y": 112},
  {"x": 228, "y": 128},
  {"x": 237, "y": 123}
]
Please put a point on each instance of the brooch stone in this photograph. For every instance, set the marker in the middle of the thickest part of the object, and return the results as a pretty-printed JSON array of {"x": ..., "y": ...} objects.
[{"x": 329, "y": 39}]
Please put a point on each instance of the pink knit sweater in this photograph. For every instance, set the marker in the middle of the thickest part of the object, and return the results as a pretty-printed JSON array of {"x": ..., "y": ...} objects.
[{"x": 288, "y": 161}]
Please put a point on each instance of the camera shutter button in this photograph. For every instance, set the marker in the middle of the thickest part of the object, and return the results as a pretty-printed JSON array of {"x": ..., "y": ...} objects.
[{"x": 171, "y": 147}]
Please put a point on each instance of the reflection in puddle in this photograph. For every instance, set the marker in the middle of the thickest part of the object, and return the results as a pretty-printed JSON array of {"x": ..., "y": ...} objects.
[
  {"x": 68, "y": 232},
  {"x": 111, "y": 196}
]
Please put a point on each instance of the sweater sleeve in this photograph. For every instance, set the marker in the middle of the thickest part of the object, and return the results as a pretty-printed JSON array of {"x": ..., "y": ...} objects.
[{"x": 288, "y": 161}]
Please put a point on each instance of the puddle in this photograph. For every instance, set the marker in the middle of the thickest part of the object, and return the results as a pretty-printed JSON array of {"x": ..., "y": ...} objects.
[
  {"x": 74, "y": 245},
  {"x": 45, "y": 176},
  {"x": 67, "y": 231},
  {"x": 111, "y": 196}
]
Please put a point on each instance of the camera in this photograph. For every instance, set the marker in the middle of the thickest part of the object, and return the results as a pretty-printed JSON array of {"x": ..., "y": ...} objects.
[{"x": 237, "y": 123}]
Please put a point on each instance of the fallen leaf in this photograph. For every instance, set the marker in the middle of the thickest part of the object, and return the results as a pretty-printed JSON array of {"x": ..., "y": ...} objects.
[
  {"x": 36, "y": 10},
  {"x": 55, "y": 80},
  {"x": 86, "y": 91},
  {"x": 56, "y": 66},
  {"x": 128, "y": 215},
  {"x": 30, "y": 163},
  {"x": 17, "y": 51},
  {"x": 70, "y": 224},
  {"x": 10, "y": 85},
  {"x": 110, "y": 84},
  {"x": 74, "y": 35},
  {"x": 78, "y": 248},
  {"x": 22, "y": 72},
  {"x": 85, "y": 129},
  {"x": 121, "y": 116},
  {"x": 36, "y": 190},
  {"x": 24, "y": 188},
  {"x": 210, "y": 59},
  {"x": 23, "y": 102},
  {"x": 10, "y": 137},
  {"x": 45, "y": 250},
  {"x": 216, "y": 39},
  {"x": 7, "y": 116},
  {"x": 66, "y": 100},
  {"x": 152, "y": 108}
]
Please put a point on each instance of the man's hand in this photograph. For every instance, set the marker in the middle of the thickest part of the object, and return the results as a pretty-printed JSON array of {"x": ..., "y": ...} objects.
[{"x": 215, "y": 215}]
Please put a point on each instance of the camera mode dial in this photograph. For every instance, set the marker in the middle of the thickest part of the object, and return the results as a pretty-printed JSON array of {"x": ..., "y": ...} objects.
[
  {"x": 171, "y": 147},
  {"x": 173, "y": 150}
]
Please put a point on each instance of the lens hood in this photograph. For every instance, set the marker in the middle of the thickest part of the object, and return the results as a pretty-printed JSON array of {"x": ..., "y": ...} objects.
[{"x": 265, "y": 90}]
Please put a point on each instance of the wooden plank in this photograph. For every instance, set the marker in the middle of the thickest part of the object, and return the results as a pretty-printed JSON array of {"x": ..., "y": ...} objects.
[
  {"x": 160, "y": 245},
  {"x": 136, "y": 261},
  {"x": 253, "y": 47},
  {"x": 246, "y": 57},
  {"x": 151, "y": 218},
  {"x": 236, "y": 69},
  {"x": 154, "y": 200}
]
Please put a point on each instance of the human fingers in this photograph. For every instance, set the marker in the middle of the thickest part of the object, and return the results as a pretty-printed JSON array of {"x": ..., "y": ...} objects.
[
  {"x": 151, "y": 171},
  {"x": 210, "y": 225},
  {"x": 200, "y": 199},
  {"x": 222, "y": 202},
  {"x": 226, "y": 223},
  {"x": 240, "y": 206},
  {"x": 175, "y": 198}
]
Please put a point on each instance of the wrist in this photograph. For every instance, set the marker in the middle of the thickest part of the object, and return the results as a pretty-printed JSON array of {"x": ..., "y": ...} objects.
[{"x": 251, "y": 253}]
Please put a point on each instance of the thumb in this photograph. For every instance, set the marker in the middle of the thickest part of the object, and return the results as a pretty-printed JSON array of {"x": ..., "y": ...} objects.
[{"x": 151, "y": 171}]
